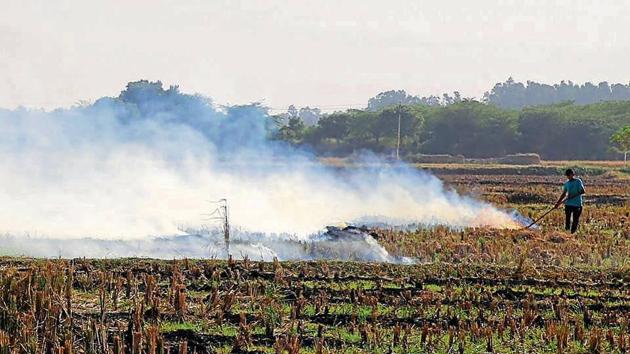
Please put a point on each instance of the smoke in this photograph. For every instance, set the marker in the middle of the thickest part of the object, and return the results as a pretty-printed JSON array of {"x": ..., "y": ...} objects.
[
  {"x": 147, "y": 162},
  {"x": 339, "y": 244}
]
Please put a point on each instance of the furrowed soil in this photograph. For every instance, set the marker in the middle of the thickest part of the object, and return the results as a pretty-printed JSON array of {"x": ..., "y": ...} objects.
[{"x": 471, "y": 291}]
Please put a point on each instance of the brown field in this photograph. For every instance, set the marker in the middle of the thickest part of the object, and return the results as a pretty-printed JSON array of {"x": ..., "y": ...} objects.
[{"x": 471, "y": 291}]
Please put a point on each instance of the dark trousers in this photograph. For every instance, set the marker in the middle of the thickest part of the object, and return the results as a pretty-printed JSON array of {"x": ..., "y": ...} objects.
[{"x": 572, "y": 212}]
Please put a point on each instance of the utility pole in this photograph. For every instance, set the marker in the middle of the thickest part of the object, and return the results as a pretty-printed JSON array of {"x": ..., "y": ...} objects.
[
  {"x": 221, "y": 213},
  {"x": 226, "y": 227},
  {"x": 398, "y": 139}
]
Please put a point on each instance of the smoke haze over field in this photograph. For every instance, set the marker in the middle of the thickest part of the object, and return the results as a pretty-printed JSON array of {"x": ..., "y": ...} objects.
[{"x": 147, "y": 162}]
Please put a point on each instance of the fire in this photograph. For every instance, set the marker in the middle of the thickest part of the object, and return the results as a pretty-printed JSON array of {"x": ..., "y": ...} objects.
[{"x": 491, "y": 217}]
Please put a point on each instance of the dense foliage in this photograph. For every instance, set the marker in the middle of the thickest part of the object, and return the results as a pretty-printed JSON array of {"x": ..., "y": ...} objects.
[
  {"x": 621, "y": 140},
  {"x": 470, "y": 128},
  {"x": 449, "y": 124},
  {"x": 516, "y": 95}
]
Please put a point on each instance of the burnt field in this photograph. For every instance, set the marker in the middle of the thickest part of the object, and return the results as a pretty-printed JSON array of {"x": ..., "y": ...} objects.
[{"x": 471, "y": 291}]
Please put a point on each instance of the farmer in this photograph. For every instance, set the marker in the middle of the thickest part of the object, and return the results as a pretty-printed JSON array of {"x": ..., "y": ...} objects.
[{"x": 572, "y": 189}]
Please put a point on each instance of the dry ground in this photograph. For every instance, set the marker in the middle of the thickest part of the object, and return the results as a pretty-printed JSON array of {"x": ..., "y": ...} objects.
[{"x": 472, "y": 291}]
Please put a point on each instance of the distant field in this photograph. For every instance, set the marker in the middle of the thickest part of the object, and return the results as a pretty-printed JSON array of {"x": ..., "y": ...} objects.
[
  {"x": 339, "y": 161},
  {"x": 471, "y": 291},
  {"x": 587, "y": 163},
  {"x": 546, "y": 168}
]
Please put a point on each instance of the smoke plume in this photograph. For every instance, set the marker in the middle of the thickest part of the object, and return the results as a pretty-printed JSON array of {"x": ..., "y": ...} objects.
[{"x": 147, "y": 163}]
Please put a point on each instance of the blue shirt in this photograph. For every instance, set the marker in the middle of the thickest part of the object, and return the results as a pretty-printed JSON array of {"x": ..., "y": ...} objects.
[{"x": 574, "y": 189}]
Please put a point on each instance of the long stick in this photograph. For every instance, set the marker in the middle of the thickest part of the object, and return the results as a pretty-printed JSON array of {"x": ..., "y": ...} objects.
[
  {"x": 549, "y": 211},
  {"x": 540, "y": 218}
]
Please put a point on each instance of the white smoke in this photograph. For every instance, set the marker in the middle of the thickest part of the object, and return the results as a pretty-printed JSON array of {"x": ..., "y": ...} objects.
[
  {"x": 338, "y": 244},
  {"x": 146, "y": 163}
]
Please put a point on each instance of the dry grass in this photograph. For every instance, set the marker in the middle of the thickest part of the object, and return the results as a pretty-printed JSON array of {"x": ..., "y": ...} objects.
[{"x": 475, "y": 290}]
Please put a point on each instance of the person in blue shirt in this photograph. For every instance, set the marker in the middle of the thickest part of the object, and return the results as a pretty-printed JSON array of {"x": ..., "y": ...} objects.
[{"x": 573, "y": 189}]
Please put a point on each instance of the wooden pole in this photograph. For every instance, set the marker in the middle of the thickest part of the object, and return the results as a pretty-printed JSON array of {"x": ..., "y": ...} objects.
[{"x": 226, "y": 227}]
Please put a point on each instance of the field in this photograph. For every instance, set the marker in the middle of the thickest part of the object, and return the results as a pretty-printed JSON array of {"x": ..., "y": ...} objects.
[{"x": 471, "y": 291}]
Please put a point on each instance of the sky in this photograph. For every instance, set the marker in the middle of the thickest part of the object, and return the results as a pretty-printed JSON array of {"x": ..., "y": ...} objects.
[{"x": 328, "y": 54}]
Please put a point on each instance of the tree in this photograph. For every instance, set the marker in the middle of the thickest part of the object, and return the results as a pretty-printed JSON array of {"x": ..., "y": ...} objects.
[
  {"x": 391, "y": 98},
  {"x": 571, "y": 132},
  {"x": 310, "y": 116},
  {"x": 472, "y": 129},
  {"x": 457, "y": 125},
  {"x": 509, "y": 94},
  {"x": 364, "y": 132},
  {"x": 293, "y": 132},
  {"x": 621, "y": 140},
  {"x": 292, "y": 111},
  {"x": 334, "y": 126},
  {"x": 516, "y": 95},
  {"x": 387, "y": 124}
]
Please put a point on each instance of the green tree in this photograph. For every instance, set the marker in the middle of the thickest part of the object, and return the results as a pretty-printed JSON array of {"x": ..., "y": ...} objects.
[
  {"x": 411, "y": 121},
  {"x": 562, "y": 131},
  {"x": 334, "y": 126},
  {"x": 512, "y": 94},
  {"x": 391, "y": 98},
  {"x": 293, "y": 132},
  {"x": 621, "y": 140},
  {"x": 363, "y": 133},
  {"x": 571, "y": 132},
  {"x": 472, "y": 129}
]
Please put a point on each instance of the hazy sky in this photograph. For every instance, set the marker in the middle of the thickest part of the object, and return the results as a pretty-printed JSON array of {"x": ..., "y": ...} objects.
[{"x": 318, "y": 53}]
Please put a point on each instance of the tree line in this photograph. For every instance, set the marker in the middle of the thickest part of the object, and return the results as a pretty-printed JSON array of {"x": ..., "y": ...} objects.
[
  {"x": 449, "y": 124},
  {"x": 512, "y": 94},
  {"x": 467, "y": 127},
  {"x": 515, "y": 95}
]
